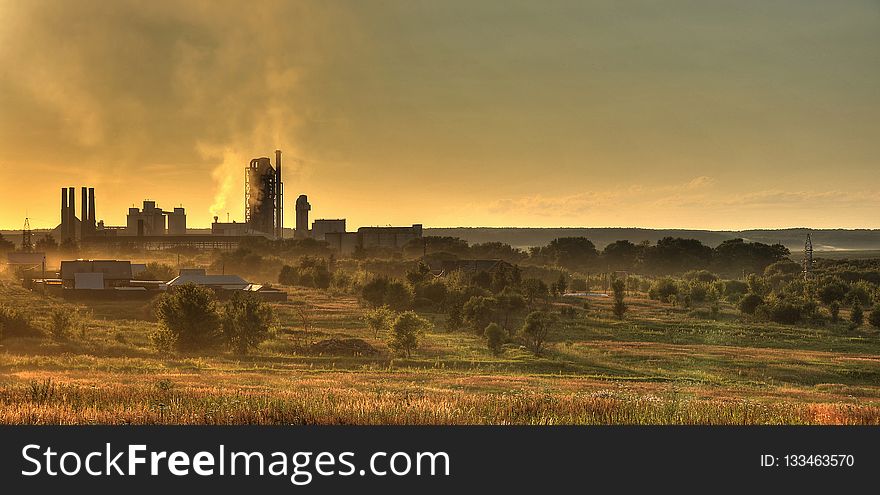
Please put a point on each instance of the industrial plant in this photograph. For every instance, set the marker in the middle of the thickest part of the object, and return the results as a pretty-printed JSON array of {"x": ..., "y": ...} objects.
[{"x": 152, "y": 227}]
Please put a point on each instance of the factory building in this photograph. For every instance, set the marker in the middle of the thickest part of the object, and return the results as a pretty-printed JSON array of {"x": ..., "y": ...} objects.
[
  {"x": 322, "y": 227},
  {"x": 148, "y": 221},
  {"x": 263, "y": 196},
  {"x": 372, "y": 237},
  {"x": 95, "y": 274},
  {"x": 176, "y": 221},
  {"x": 302, "y": 217},
  {"x": 71, "y": 227}
]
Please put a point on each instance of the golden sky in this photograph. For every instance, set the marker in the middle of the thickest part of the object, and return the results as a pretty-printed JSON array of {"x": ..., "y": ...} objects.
[{"x": 691, "y": 114}]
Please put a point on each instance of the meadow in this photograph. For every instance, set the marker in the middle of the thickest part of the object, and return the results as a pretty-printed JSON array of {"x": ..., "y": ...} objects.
[{"x": 660, "y": 365}]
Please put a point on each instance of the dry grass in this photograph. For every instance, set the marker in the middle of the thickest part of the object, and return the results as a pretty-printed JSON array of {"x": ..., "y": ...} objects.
[{"x": 660, "y": 366}]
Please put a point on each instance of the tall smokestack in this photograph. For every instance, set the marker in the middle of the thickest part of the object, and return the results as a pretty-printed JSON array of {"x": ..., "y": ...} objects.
[
  {"x": 84, "y": 216},
  {"x": 65, "y": 221},
  {"x": 92, "y": 219},
  {"x": 71, "y": 212},
  {"x": 279, "y": 200}
]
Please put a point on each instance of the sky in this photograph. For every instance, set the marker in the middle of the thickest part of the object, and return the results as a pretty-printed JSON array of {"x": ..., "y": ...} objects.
[{"x": 640, "y": 113}]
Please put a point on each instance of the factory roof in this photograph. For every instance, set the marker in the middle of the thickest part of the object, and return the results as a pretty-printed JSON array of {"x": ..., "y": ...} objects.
[{"x": 224, "y": 281}]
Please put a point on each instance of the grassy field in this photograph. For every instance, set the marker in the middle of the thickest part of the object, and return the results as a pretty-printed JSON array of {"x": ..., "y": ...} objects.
[{"x": 659, "y": 366}]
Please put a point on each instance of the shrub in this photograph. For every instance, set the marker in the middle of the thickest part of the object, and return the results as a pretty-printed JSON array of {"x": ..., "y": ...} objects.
[
  {"x": 781, "y": 312},
  {"x": 874, "y": 316},
  {"x": 374, "y": 291},
  {"x": 698, "y": 292},
  {"x": 831, "y": 290},
  {"x": 663, "y": 289},
  {"x": 14, "y": 323},
  {"x": 188, "y": 318},
  {"x": 735, "y": 287},
  {"x": 63, "y": 321},
  {"x": 245, "y": 322},
  {"x": 700, "y": 276},
  {"x": 406, "y": 331},
  {"x": 750, "y": 302},
  {"x": 860, "y": 292},
  {"x": 536, "y": 330},
  {"x": 494, "y": 337},
  {"x": 398, "y": 295},
  {"x": 157, "y": 271}
]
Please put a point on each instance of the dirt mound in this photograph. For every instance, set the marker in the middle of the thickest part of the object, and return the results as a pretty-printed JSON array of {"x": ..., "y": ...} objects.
[{"x": 342, "y": 347}]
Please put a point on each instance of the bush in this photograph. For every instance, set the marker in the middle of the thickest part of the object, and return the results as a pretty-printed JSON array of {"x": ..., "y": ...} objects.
[
  {"x": 832, "y": 290},
  {"x": 310, "y": 272},
  {"x": 63, "y": 321},
  {"x": 700, "y": 276},
  {"x": 874, "y": 317},
  {"x": 781, "y": 312},
  {"x": 157, "y": 271},
  {"x": 750, "y": 302},
  {"x": 245, "y": 322},
  {"x": 494, "y": 337},
  {"x": 14, "y": 323},
  {"x": 374, "y": 291},
  {"x": 663, "y": 289},
  {"x": 860, "y": 292},
  {"x": 536, "y": 330},
  {"x": 188, "y": 317},
  {"x": 406, "y": 331},
  {"x": 735, "y": 287},
  {"x": 398, "y": 295}
]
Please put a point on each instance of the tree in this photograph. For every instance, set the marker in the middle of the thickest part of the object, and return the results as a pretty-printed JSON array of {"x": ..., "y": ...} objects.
[
  {"x": 834, "y": 309},
  {"x": 857, "y": 315},
  {"x": 157, "y": 271},
  {"x": 374, "y": 291},
  {"x": 510, "y": 302},
  {"x": 874, "y": 316},
  {"x": 406, "y": 331},
  {"x": 561, "y": 284},
  {"x": 379, "y": 319},
  {"x": 398, "y": 295},
  {"x": 536, "y": 330},
  {"x": 419, "y": 274},
  {"x": 621, "y": 255},
  {"x": 188, "y": 319},
  {"x": 618, "y": 286},
  {"x": 534, "y": 288},
  {"x": 47, "y": 243},
  {"x": 574, "y": 253},
  {"x": 479, "y": 311},
  {"x": 494, "y": 338},
  {"x": 245, "y": 322}
]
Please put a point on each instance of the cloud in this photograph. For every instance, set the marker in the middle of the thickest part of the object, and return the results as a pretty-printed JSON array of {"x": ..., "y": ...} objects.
[{"x": 183, "y": 84}]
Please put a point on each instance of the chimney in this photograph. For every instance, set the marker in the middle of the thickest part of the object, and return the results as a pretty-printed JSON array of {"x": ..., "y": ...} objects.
[
  {"x": 92, "y": 219},
  {"x": 84, "y": 216},
  {"x": 64, "y": 220},
  {"x": 71, "y": 212},
  {"x": 279, "y": 201}
]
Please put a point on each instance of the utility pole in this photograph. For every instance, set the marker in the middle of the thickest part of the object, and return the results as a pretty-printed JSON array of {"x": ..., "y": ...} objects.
[
  {"x": 808, "y": 257},
  {"x": 26, "y": 237}
]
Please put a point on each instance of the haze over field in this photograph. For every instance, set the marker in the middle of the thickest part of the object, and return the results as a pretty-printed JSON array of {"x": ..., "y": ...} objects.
[{"x": 678, "y": 114}]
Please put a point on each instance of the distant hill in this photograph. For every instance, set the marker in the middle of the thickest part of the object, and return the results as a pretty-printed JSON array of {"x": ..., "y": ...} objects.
[{"x": 793, "y": 239}]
